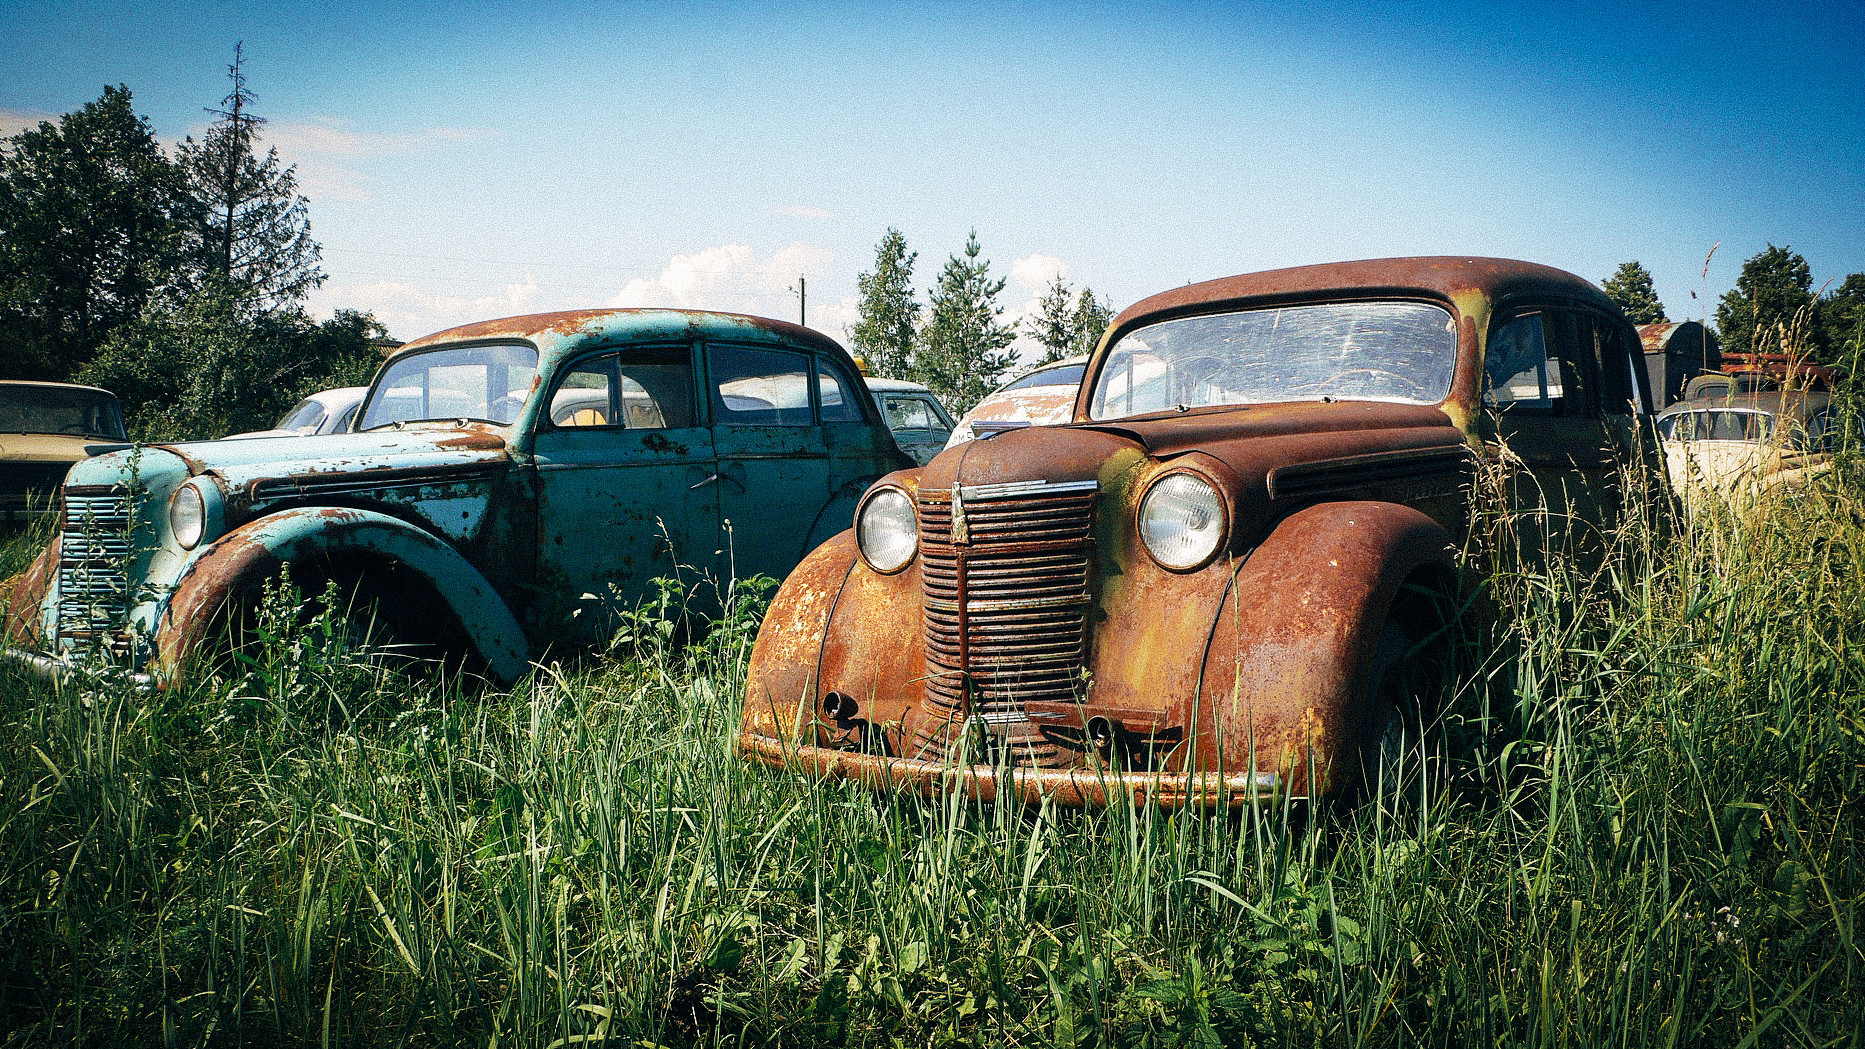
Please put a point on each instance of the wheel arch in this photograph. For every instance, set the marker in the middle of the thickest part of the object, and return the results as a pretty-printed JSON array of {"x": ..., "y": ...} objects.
[
  {"x": 1283, "y": 676},
  {"x": 361, "y": 540}
]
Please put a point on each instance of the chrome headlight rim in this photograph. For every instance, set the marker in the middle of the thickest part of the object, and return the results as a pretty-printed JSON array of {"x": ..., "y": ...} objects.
[
  {"x": 911, "y": 533},
  {"x": 1220, "y": 536}
]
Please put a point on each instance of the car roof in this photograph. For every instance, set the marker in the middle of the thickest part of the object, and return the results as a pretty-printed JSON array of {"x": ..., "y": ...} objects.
[
  {"x": 895, "y": 386},
  {"x": 1775, "y": 402},
  {"x": 577, "y": 326},
  {"x": 56, "y": 385},
  {"x": 1443, "y": 277}
]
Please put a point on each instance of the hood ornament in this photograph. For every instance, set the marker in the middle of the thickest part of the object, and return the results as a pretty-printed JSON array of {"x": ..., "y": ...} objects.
[{"x": 961, "y": 532}]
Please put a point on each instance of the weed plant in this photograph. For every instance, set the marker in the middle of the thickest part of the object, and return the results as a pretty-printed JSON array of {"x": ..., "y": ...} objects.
[{"x": 1636, "y": 821}]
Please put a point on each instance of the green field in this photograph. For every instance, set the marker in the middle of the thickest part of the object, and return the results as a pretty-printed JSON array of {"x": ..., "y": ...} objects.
[{"x": 1637, "y": 822}]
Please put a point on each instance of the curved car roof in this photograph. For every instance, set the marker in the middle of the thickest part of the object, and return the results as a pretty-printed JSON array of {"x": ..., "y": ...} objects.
[
  {"x": 626, "y": 323},
  {"x": 1433, "y": 276},
  {"x": 1795, "y": 403},
  {"x": 56, "y": 385}
]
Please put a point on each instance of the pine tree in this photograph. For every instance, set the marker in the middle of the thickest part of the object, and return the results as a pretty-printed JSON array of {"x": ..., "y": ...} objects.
[
  {"x": 1053, "y": 323},
  {"x": 252, "y": 229},
  {"x": 890, "y": 315},
  {"x": 1762, "y": 312},
  {"x": 89, "y": 231},
  {"x": 964, "y": 346},
  {"x": 1089, "y": 322},
  {"x": 1630, "y": 287}
]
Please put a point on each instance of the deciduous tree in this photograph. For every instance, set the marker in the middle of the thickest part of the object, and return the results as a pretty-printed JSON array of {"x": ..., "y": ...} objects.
[
  {"x": 89, "y": 230},
  {"x": 1630, "y": 287},
  {"x": 889, "y": 312},
  {"x": 1090, "y": 321},
  {"x": 1761, "y": 314},
  {"x": 964, "y": 348}
]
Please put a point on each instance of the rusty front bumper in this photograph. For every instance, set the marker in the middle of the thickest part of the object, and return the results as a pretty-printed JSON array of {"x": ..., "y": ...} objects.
[{"x": 1063, "y": 786}]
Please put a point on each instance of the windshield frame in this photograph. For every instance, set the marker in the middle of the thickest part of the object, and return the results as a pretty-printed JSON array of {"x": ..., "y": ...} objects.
[
  {"x": 103, "y": 399},
  {"x": 1092, "y": 396},
  {"x": 378, "y": 386}
]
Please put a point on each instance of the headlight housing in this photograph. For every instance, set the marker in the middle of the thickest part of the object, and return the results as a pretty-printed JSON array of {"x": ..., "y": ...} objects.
[
  {"x": 887, "y": 530},
  {"x": 1182, "y": 521},
  {"x": 187, "y": 516}
]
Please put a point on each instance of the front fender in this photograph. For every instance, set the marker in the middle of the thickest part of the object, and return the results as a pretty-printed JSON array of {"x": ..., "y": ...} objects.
[
  {"x": 254, "y": 551},
  {"x": 1284, "y": 672}
]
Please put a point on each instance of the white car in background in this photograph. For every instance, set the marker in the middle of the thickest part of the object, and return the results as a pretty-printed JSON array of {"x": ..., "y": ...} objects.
[
  {"x": 328, "y": 411},
  {"x": 1042, "y": 396}
]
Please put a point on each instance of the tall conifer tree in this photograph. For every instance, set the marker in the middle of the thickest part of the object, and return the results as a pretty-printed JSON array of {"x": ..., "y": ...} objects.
[{"x": 964, "y": 349}]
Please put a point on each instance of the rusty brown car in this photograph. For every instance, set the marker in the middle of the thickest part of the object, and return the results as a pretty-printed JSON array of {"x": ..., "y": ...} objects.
[{"x": 1205, "y": 588}]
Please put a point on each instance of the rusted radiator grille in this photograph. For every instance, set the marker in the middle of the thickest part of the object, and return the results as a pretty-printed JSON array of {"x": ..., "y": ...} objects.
[
  {"x": 94, "y": 549},
  {"x": 1023, "y": 603}
]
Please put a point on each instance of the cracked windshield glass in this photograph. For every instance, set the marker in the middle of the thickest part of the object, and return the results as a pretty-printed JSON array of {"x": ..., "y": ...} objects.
[{"x": 1402, "y": 352}]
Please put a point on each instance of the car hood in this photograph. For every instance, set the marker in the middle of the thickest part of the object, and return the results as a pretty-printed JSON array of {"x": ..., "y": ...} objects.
[
  {"x": 52, "y": 447},
  {"x": 253, "y": 463}
]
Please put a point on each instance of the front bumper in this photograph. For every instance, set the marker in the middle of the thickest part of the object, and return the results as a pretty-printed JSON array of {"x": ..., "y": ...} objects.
[
  {"x": 1062, "y": 786},
  {"x": 62, "y": 670}
]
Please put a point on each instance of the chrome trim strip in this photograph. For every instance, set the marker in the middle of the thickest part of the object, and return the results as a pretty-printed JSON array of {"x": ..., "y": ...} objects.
[{"x": 1014, "y": 489}]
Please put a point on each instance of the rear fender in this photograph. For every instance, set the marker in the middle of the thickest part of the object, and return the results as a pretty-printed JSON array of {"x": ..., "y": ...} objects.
[
  {"x": 1284, "y": 674},
  {"x": 252, "y": 553}
]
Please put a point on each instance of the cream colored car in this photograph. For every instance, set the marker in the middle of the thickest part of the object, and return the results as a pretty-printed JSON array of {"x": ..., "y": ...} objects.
[
  {"x": 44, "y": 428},
  {"x": 1747, "y": 447}
]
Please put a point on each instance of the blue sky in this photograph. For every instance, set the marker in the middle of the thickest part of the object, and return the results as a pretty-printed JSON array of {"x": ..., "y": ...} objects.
[{"x": 472, "y": 160}]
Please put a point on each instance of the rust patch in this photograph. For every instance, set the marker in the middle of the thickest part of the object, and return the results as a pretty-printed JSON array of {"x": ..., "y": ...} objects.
[{"x": 22, "y": 595}]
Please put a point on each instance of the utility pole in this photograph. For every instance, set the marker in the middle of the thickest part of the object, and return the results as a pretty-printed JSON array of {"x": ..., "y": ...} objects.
[{"x": 802, "y": 290}]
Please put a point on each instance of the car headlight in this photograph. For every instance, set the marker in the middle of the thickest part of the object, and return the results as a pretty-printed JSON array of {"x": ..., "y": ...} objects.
[
  {"x": 187, "y": 516},
  {"x": 886, "y": 530},
  {"x": 1182, "y": 521}
]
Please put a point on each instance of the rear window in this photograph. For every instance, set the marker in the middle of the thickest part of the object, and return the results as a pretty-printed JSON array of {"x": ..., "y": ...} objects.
[{"x": 1065, "y": 375}]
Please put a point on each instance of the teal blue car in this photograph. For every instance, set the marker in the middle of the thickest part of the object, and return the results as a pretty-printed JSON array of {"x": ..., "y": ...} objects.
[{"x": 509, "y": 488}]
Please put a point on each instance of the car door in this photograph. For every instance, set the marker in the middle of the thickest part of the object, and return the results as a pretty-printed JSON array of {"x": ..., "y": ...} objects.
[
  {"x": 1567, "y": 404},
  {"x": 773, "y": 458},
  {"x": 628, "y": 487}
]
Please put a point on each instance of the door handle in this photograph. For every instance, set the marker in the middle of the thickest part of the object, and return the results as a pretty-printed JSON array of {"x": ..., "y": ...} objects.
[{"x": 702, "y": 484}]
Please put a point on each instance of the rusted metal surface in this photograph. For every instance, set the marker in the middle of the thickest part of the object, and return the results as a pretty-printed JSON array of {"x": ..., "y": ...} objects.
[
  {"x": 1056, "y": 658},
  {"x": 22, "y": 596}
]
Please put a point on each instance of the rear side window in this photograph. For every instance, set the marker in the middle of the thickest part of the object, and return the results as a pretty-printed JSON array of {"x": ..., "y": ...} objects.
[
  {"x": 758, "y": 386},
  {"x": 641, "y": 388},
  {"x": 838, "y": 403}
]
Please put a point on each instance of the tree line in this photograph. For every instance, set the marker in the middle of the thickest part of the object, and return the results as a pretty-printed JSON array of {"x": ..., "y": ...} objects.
[
  {"x": 959, "y": 345},
  {"x": 1773, "y": 308},
  {"x": 175, "y": 281}
]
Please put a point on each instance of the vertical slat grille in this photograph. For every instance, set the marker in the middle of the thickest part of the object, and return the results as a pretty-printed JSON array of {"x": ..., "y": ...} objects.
[
  {"x": 94, "y": 549},
  {"x": 1022, "y": 595}
]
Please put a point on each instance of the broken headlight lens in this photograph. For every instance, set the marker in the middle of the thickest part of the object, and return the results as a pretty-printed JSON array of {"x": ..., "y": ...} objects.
[
  {"x": 1182, "y": 521},
  {"x": 887, "y": 530}
]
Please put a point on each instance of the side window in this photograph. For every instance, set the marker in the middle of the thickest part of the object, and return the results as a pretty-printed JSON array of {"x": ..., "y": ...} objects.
[
  {"x": 1615, "y": 364},
  {"x": 635, "y": 389},
  {"x": 1537, "y": 364},
  {"x": 910, "y": 413},
  {"x": 755, "y": 386},
  {"x": 838, "y": 403}
]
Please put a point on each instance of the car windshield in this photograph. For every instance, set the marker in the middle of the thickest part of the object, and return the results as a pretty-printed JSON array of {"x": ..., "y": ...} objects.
[
  {"x": 1717, "y": 425},
  {"x": 1403, "y": 352},
  {"x": 303, "y": 418},
  {"x": 60, "y": 409},
  {"x": 1064, "y": 375},
  {"x": 488, "y": 382}
]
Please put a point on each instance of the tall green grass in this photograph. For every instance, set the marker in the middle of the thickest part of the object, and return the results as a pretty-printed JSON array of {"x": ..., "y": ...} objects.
[{"x": 1636, "y": 822}]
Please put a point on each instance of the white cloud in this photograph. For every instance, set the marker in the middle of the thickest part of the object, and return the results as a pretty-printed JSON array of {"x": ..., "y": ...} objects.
[
  {"x": 326, "y": 149},
  {"x": 14, "y": 121},
  {"x": 730, "y": 277},
  {"x": 1036, "y": 271},
  {"x": 410, "y": 311},
  {"x": 804, "y": 211}
]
